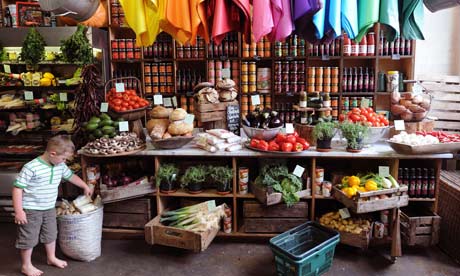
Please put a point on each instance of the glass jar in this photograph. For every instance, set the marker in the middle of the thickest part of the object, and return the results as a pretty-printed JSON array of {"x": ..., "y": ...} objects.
[{"x": 392, "y": 81}]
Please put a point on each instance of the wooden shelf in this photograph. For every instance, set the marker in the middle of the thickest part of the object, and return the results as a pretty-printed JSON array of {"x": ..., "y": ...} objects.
[
  {"x": 288, "y": 58},
  {"x": 223, "y": 58},
  {"x": 158, "y": 59},
  {"x": 248, "y": 195},
  {"x": 357, "y": 93},
  {"x": 126, "y": 60},
  {"x": 249, "y": 59},
  {"x": 400, "y": 57},
  {"x": 40, "y": 63},
  {"x": 205, "y": 193},
  {"x": 246, "y": 235},
  {"x": 324, "y": 58},
  {"x": 324, "y": 197},
  {"x": 359, "y": 57},
  {"x": 421, "y": 199},
  {"x": 189, "y": 59}
]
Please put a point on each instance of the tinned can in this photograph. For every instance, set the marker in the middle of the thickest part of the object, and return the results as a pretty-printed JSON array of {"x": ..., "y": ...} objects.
[{"x": 243, "y": 176}]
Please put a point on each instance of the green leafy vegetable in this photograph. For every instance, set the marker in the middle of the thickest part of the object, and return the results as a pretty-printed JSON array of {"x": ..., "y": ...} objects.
[
  {"x": 76, "y": 48},
  {"x": 33, "y": 48},
  {"x": 167, "y": 173}
]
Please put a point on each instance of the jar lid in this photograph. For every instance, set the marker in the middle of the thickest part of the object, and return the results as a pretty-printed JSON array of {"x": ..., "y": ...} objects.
[{"x": 393, "y": 72}]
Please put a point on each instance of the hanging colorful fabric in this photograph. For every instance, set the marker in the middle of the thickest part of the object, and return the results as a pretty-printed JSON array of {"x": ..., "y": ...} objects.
[
  {"x": 368, "y": 15},
  {"x": 389, "y": 17},
  {"x": 303, "y": 12},
  {"x": 199, "y": 24},
  {"x": 262, "y": 20},
  {"x": 332, "y": 24},
  {"x": 318, "y": 21},
  {"x": 349, "y": 16},
  {"x": 228, "y": 16},
  {"x": 176, "y": 22},
  {"x": 412, "y": 19},
  {"x": 282, "y": 20}
]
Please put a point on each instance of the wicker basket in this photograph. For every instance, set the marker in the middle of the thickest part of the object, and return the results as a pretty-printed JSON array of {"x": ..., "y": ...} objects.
[{"x": 130, "y": 115}]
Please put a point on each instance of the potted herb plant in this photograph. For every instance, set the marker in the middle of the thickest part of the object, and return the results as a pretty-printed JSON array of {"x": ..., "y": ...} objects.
[
  {"x": 323, "y": 133},
  {"x": 222, "y": 176},
  {"x": 166, "y": 178},
  {"x": 33, "y": 49},
  {"x": 193, "y": 179},
  {"x": 355, "y": 134}
]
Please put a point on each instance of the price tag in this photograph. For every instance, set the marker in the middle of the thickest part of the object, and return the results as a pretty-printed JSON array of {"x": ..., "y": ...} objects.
[
  {"x": 157, "y": 99},
  {"x": 167, "y": 102},
  {"x": 384, "y": 171},
  {"x": 174, "y": 101},
  {"x": 303, "y": 120},
  {"x": 7, "y": 68},
  {"x": 226, "y": 73},
  {"x": 344, "y": 213},
  {"x": 289, "y": 128},
  {"x": 189, "y": 119},
  {"x": 123, "y": 126},
  {"x": 255, "y": 100},
  {"x": 399, "y": 125},
  {"x": 365, "y": 103},
  {"x": 28, "y": 95},
  {"x": 395, "y": 57},
  {"x": 298, "y": 171},
  {"x": 104, "y": 107},
  {"x": 120, "y": 87},
  {"x": 325, "y": 57},
  {"x": 63, "y": 97}
]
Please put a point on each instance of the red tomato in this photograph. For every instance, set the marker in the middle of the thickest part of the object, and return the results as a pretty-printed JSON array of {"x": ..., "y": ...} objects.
[
  {"x": 116, "y": 108},
  {"x": 341, "y": 117},
  {"x": 123, "y": 109},
  {"x": 280, "y": 138},
  {"x": 116, "y": 101},
  {"x": 263, "y": 145},
  {"x": 291, "y": 139},
  {"x": 286, "y": 147},
  {"x": 356, "y": 110},
  {"x": 370, "y": 110},
  {"x": 125, "y": 97},
  {"x": 118, "y": 96},
  {"x": 298, "y": 147},
  {"x": 124, "y": 104},
  {"x": 354, "y": 118},
  {"x": 295, "y": 134},
  {"x": 131, "y": 103},
  {"x": 254, "y": 143},
  {"x": 136, "y": 106}
]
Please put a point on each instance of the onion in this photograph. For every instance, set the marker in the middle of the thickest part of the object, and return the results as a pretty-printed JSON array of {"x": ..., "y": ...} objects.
[{"x": 407, "y": 115}]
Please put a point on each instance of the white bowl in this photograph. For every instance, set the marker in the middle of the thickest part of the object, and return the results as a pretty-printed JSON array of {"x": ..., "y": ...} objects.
[{"x": 375, "y": 134}]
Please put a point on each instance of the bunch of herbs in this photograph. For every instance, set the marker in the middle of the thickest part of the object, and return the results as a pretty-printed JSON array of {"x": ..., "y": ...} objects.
[{"x": 33, "y": 48}]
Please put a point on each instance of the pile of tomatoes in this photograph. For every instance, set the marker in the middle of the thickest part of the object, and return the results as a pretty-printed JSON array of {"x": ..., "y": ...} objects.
[
  {"x": 125, "y": 101},
  {"x": 365, "y": 116},
  {"x": 443, "y": 137},
  {"x": 282, "y": 142}
]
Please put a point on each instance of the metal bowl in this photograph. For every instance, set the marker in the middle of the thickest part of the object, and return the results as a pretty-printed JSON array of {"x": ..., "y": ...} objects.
[
  {"x": 260, "y": 133},
  {"x": 375, "y": 134}
]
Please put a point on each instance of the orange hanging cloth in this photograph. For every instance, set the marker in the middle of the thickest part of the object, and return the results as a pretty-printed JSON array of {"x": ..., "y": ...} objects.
[
  {"x": 177, "y": 21},
  {"x": 198, "y": 18}
]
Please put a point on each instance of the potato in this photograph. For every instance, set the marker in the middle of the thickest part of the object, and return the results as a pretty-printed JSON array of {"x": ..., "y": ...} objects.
[
  {"x": 416, "y": 108},
  {"x": 397, "y": 109}
]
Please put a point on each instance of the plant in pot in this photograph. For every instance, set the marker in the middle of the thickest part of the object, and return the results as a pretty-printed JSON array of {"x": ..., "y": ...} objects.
[
  {"x": 166, "y": 178},
  {"x": 222, "y": 176},
  {"x": 355, "y": 134},
  {"x": 193, "y": 179},
  {"x": 33, "y": 49},
  {"x": 323, "y": 133}
]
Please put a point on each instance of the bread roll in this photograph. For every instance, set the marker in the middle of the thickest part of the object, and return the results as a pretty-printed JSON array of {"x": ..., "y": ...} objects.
[
  {"x": 177, "y": 115},
  {"x": 160, "y": 112},
  {"x": 157, "y": 127},
  {"x": 180, "y": 129}
]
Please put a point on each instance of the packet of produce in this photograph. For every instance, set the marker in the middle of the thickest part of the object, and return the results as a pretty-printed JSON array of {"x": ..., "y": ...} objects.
[
  {"x": 81, "y": 200},
  {"x": 234, "y": 139},
  {"x": 210, "y": 139},
  {"x": 87, "y": 208},
  {"x": 222, "y": 146},
  {"x": 220, "y": 133},
  {"x": 203, "y": 144},
  {"x": 233, "y": 147}
]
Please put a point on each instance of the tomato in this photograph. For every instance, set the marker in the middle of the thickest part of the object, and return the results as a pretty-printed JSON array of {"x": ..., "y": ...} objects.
[
  {"x": 280, "y": 138},
  {"x": 254, "y": 143},
  {"x": 341, "y": 117},
  {"x": 364, "y": 111},
  {"x": 354, "y": 118},
  {"x": 125, "y": 97},
  {"x": 370, "y": 110},
  {"x": 273, "y": 146},
  {"x": 290, "y": 139},
  {"x": 118, "y": 96},
  {"x": 385, "y": 122},
  {"x": 117, "y": 101},
  {"x": 113, "y": 90},
  {"x": 356, "y": 110},
  {"x": 124, "y": 104},
  {"x": 363, "y": 118},
  {"x": 123, "y": 109},
  {"x": 286, "y": 147},
  {"x": 298, "y": 147},
  {"x": 296, "y": 134},
  {"x": 131, "y": 103},
  {"x": 116, "y": 108},
  {"x": 136, "y": 106},
  {"x": 263, "y": 145},
  {"x": 129, "y": 107}
]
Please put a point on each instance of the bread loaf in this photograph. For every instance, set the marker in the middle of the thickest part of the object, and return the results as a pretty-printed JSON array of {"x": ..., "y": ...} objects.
[
  {"x": 160, "y": 112},
  {"x": 157, "y": 127},
  {"x": 179, "y": 128},
  {"x": 177, "y": 115}
]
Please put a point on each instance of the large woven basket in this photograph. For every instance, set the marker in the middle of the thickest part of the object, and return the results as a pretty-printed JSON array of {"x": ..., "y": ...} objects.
[{"x": 130, "y": 115}]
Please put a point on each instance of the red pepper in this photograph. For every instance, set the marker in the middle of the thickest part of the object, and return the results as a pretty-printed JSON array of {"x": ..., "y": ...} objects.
[
  {"x": 263, "y": 145},
  {"x": 298, "y": 147},
  {"x": 280, "y": 138},
  {"x": 254, "y": 142},
  {"x": 273, "y": 146},
  {"x": 291, "y": 139},
  {"x": 286, "y": 147}
]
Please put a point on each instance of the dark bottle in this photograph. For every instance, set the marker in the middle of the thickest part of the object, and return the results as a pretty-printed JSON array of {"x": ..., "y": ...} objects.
[
  {"x": 418, "y": 187},
  {"x": 400, "y": 175},
  {"x": 432, "y": 184},
  {"x": 179, "y": 81},
  {"x": 425, "y": 180},
  {"x": 412, "y": 183},
  {"x": 371, "y": 81},
  {"x": 406, "y": 180},
  {"x": 355, "y": 79},
  {"x": 360, "y": 80},
  {"x": 8, "y": 18},
  {"x": 366, "y": 81},
  {"x": 381, "y": 43},
  {"x": 350, "y": 80},
  {"x": 344, "y": 80}
]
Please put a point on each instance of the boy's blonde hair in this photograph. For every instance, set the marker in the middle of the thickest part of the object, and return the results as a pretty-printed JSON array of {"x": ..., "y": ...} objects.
[{"x": 60, "y": 144}]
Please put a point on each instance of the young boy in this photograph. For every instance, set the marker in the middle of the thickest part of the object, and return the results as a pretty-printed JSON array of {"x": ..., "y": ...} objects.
[{"x": 34, "y": 197}]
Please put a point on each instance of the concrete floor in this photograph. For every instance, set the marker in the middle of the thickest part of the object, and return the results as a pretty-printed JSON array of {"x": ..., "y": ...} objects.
[{"x": 137, "y": 258}]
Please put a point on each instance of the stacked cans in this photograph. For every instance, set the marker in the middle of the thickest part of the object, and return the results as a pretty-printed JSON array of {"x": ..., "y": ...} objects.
[
  {"x": 248, "y": 77},
  {"x": 289, "y": 77},
  {"x": 158, "y": 77},
  {"x": 186, "y": 103},
  {"x": 323, "y": 79},
  {"x": 335, "y": 108},
  {"x": 352, "y": 102},
  {"x": 325, "y": 49},
  {"x": 117, "y": 14},
  {"x": 293, "y": 46},
  {"x": 191, "y": 51},
  {"x": 216, "y": 70},
  {"x": 228, "y": 47},
  {"x": 262, "y": 48},
  {"x": 125, "y": 48},
  {"x": 162, "y": 48}
]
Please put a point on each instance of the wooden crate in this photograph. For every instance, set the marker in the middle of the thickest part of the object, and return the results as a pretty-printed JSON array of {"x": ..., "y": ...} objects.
[
  {"x": 419, "y": 227},
  {"x": 268, "y": 196},
  {"x": 135, "y": 189},
  {"x": 156, "y": 233},
  {"x": 356, "y": 240},
  {"x": 129, "y": 214},
  {"x": 448, "y": 209},
  {"x": 365, "y": 202},
  {"x": 258, "y": 218},
  {"x": 6, "y": 209},
  {"x": 212, "y": 115}
]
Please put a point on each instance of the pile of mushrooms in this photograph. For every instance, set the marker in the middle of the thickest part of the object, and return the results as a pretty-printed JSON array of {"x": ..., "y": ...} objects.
[{"x": 124, "y": 142}]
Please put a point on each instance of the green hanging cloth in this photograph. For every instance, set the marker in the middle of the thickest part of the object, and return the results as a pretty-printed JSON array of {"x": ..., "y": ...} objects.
[
  {"x": 412, "y": 19},
  {"x": 368, "y": 14},
  {"x": 389, "y": 17}
]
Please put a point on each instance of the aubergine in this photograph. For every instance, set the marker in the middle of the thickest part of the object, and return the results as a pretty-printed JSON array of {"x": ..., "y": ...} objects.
[{"x": 275, "y": 120}]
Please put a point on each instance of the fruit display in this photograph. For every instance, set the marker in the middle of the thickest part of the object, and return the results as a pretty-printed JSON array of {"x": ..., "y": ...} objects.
[
  {"x": 102, "y": 126},
  {"x": 351, "y": 185},
  {"x": 282, "y": 142},
  {"x": 124, "y": 142},
  {"x": 365, "y": 116},
  {"x": 409, "y": 107},
  {"x": 166, "y": 123},
  {"x": 265, "y": 119},
  {"x": 415, "y": 139},
  {"x": 351, "y": 225},
  {"x": 125, "y": 101},
  {"x": 443, "y": 137}
]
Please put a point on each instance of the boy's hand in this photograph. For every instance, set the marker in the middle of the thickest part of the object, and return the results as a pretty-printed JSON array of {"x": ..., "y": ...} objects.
[
  {"x": 88, "y": 191},
  {"x": 20, "y": 217}
]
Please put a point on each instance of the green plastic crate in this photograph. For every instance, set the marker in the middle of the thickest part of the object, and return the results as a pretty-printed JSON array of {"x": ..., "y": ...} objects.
[{"x": 306, "y": 250}]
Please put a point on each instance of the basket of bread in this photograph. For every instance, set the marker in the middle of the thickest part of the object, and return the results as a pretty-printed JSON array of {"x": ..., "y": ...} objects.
[{"x": 167, "y": 128}]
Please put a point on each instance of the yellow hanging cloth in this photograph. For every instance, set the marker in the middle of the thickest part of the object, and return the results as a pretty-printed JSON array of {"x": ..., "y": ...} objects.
[
  {"x": 143, "y": 17},
  {"x": 177, "y": 21},
  {"x": 198, "y": 18}
]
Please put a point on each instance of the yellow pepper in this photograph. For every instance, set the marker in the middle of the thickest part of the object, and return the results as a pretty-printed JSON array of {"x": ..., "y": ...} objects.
[
  {"x": 349, "y": 192},
  {"x": 371, "y": 185},
  {"x": 345, "y": 180},
  {"x": 354, "y": 181},
  {"x": 361, "y": 189}
]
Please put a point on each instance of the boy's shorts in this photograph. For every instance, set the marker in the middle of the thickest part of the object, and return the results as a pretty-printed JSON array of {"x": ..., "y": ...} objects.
[{"x": 40, "y": 224}]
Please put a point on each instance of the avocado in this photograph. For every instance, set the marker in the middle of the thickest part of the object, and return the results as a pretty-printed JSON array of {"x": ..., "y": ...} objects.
[
  {"x": 91, "y": 126},
  {"x": 94, "y": 120},
  {"x": 111, "y": 135},
  {"x": 106, "y": 123},
  {"x": 97, "y": 133},
  {"x": 108, "y": 129},
  {"x": 105, "y": 117}
]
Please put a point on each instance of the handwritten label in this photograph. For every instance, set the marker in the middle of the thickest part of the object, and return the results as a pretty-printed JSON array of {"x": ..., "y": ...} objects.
[
  {"x": 174, "y": 101},
  {"x": 365, "y": 103},
  {"x": 298, "y": 171},
  {"x": 167, "y": 102},
  {"x": 120, "y": 87},
  {"x": 399, "y": 125},
  {"x": 226, "y": 73},
  {"x": 344, "y": 213},
  {"x": 7, "y": 68},
  {"x": 189, "y": 119},
  {"x": 28, "y": 95},
  {"x": 384, "y": 171},
  {"x": 233, "y": 118},
  {"x": 123, "y": 126},
  {"x": 255, "y": 100},
  {"x": 63, "y": 97},
  {"x": 289, "y": 128},
  {"x": 104, "y": 107},
  {"x": 157, "y": 99}
]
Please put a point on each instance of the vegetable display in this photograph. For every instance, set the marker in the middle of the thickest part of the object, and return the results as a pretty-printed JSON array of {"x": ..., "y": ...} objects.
[
  {"x": 278, "y": 177},
  {"x": 33, "y": 48},
  {"x": 409, "y": 107},
  {"x": 282, "y": 142},
  {"x": 351, "y": 225},
  {"x": 124, "y": 142},
  {"x": 443, "y": 137},
  {"x": 365, "y": 116},
  {"x": 101, "y": 126},
  {"x": 266, "y": 118},
  {"x": 76, "y": 48},
  {"x": 125, "y": 101},
  {"x": 414, "y": 139},
  {"x": 351, "y": 185}
]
